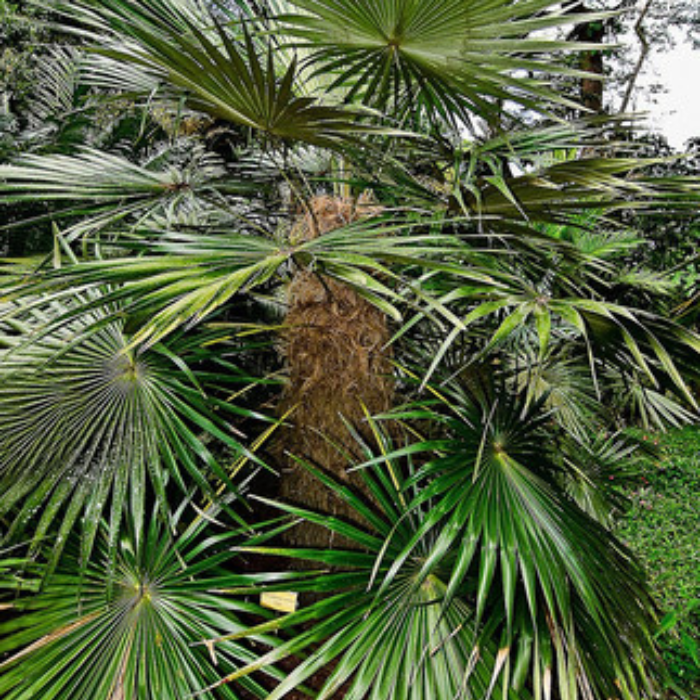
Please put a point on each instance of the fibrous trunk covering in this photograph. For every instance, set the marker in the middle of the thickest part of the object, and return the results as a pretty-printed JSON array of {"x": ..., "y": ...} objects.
[{"x": 338, "y": 362}]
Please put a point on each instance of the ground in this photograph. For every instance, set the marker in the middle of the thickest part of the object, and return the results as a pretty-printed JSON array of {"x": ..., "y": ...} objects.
[{"x": 663, "y": 529}]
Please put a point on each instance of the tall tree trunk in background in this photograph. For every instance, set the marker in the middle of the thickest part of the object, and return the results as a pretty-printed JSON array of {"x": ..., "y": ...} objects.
[
  {"x": 338, "y": 364},
  {"x": 590, "y": 61}
]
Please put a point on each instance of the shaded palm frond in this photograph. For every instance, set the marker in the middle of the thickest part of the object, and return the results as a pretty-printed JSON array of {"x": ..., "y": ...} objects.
[
  {"x": 557, "y": 192},
  {"x": 213, "y": 69},
  {"x": 597, "y": 467},
  {"x": 563, "y": 384},
  {"x": 427, "y": 646},
  {"x": 637, "y": 400}
]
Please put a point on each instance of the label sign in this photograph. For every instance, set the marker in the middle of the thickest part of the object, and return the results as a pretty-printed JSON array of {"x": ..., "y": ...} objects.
[{"x": 282, "y": 601}]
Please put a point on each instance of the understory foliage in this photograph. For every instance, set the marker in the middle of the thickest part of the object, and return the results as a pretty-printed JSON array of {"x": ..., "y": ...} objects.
[{"x": 315, "y": 380}]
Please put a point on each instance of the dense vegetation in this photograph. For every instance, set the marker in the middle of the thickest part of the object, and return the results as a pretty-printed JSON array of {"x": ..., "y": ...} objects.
[{"x": 322, "y": 329}]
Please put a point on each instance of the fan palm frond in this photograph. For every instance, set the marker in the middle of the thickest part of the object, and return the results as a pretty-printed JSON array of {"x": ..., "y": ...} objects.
[
  {"x": 58, "y": 83},
  {"x": 88, "y": 426},
  {"x": 597, "y": 466},
  {"x": 655, "y": 345},
  {"x": 521, "y": 539},
  {"x": 428, "y": 645},
  {"x": 216, "y": 72},
  {"x": 564, "y": 384},
  {"x": 110, "y": 188},
  {"x": 476, "y": 575},
  {"x": 471, "y": 554},
  {"x": 632, "y": 395},
  {"x": 134, "y": 629},
  {"x": 180, "y": 277},
  {"x": 556, "y": 192},
  {"x": 449, "y": 58}
]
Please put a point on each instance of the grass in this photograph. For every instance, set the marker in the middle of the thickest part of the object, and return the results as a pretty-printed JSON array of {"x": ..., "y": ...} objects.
[{"x": 663, "y": 528}]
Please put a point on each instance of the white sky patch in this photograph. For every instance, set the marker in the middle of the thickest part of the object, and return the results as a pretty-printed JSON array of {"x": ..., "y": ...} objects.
[{"x": 675, "y": 112}]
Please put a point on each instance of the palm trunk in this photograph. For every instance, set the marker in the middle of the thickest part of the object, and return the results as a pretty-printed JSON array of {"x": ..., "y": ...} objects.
[{"x": 335, "y": 349}]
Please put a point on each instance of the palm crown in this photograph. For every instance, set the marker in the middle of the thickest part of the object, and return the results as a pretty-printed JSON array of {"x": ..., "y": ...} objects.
[{"x": 371, "y": 336}]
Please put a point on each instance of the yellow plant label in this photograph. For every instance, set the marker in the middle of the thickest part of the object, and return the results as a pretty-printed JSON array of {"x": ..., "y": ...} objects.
[{"x": 281, "y": 601}]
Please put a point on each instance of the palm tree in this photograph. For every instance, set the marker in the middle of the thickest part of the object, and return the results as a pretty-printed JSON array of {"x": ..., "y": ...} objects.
[{"x": 372, "y": 336}]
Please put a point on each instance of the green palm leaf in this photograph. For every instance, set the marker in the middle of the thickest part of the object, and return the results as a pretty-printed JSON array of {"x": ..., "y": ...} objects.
[
  {"x": 449, "y": 57},
  {"x": 178, "y": 278},
  {"x": 89, "y": 175},
  {"x": 134, "y": 630},
  {"x": 476, "y": 574},
  {"x": 557, "y": 192},
  {"x": 89, "y": 427},
  {"x": 565, "y": 596},
  {"x": 216, "y": 71},
  {"x": 547, "y": 295},
  {"x": 597, "y": 467},
  {"x": 427, "y": 647},
  {"x": 109, "y": 188}
]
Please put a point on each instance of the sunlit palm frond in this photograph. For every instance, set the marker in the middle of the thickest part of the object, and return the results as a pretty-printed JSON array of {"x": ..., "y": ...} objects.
[
  {"x": 57, "y": 88},
  {"x": 180, "y": 277},
  {"x": 536, "y": 298},
  {"x": 656, "y": 284},
  {"x": 91, "y": 174},
  {"x": 543, "y": 573},
  {"x": 89, "y": 427},
  {"x": 110, "y": 188}
]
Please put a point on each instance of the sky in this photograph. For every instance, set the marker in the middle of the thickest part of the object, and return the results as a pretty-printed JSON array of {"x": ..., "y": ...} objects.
[{"x": 676, "y": 113}]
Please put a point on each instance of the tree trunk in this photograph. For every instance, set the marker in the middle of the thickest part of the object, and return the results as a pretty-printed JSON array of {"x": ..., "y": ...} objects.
[
  {"x": 338, "y": 363},
  {"x": 590, "y": 61},
  {"x": 591, "y": 88}
]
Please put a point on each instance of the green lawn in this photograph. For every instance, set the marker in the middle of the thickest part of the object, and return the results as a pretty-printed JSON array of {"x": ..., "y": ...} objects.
[{"x": 663, "y": 528}]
